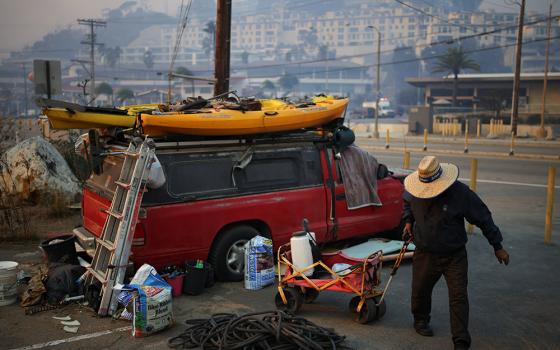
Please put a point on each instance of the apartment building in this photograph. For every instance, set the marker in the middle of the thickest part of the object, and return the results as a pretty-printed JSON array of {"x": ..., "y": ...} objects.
[{"x": 350, "y": 32}]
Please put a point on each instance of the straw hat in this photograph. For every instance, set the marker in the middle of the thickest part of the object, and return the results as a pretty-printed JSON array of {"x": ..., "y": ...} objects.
[{"x": 431, "y": 178}]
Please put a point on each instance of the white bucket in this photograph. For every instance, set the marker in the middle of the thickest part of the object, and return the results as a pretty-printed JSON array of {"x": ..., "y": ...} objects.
[{"x": 8, "y": 282}]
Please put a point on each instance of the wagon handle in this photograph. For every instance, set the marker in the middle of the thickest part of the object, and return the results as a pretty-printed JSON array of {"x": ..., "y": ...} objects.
[{"x": 395, "y": 268}]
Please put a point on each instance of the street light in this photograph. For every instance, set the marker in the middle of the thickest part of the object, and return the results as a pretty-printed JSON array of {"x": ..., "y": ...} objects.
[{"x": 376, "y": 126}]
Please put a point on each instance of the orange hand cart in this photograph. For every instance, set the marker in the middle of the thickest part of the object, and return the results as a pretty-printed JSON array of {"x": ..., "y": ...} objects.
[{"x": 362, "y": 279}]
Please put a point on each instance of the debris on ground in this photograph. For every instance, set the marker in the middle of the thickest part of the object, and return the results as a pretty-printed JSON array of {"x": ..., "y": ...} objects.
[
  {"x": 71, "y": 329},
  {"x": 62, "y": 318},
  {"x": 260, "y": 330},
  {"x": 71, "y": 323}
]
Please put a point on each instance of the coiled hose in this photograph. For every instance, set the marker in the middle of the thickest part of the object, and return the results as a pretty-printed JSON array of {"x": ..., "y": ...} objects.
[{"x": 274, "y": 330}]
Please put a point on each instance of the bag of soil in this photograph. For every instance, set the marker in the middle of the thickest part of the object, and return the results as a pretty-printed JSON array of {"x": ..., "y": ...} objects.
[{"x": 259, "y": 263}]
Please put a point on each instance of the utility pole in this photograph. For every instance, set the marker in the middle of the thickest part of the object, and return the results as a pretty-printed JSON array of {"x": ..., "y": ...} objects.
[
  {"x": 541, "y": 133},
  {"x": 24, "y": 68},
  {"x": 222, "y": 50},
  {"x": 92, "y": 42},
  {"x": 516, "y": 81},
  {"x": 378, "y": 78}
]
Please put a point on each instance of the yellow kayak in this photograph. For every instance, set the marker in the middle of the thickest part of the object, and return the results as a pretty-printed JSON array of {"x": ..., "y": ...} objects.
[
  {"x": 273, "y": 116},
  {"x": 64, "y": 115}
]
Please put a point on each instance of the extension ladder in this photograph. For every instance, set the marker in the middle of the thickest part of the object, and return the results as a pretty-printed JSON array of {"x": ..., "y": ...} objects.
[{"x": 112, "y": 248}]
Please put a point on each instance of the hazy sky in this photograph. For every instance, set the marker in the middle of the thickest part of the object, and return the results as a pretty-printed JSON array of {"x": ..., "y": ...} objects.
[{"x": 24, "y": 21}]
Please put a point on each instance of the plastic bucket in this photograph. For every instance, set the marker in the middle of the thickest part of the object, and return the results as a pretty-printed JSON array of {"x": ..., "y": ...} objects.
[
  {"x": 176, "y": 284},
  {"x": 195, "y": 278},
  {"x": 61, "y": 249},
  {"x": 8, "y": 282}
]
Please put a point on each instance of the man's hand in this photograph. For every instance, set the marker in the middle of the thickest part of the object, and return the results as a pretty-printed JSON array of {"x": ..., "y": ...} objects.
[
  {"x": 407, "y": 232},
  {"x": 502, "y": 255}
]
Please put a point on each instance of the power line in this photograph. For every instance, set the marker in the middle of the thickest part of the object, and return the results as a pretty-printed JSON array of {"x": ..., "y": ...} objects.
[
  {"x": 340, "y": 58},
  {"x": 470, "y": 36},
  {"x": 428, "y": 58},
  {"x": 434, "y": 16},
  {"x": 425, "y": 13}
]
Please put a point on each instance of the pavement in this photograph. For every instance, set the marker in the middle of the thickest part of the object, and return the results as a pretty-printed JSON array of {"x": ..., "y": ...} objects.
[{"x": 512, "y": 307}]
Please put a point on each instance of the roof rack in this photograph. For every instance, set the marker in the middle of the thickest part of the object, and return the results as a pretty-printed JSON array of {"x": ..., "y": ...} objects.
[{"x": 307, "y": 136}]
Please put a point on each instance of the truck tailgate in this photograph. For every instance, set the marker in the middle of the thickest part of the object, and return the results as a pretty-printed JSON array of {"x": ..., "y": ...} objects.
[{"x": 93, "y": 207}]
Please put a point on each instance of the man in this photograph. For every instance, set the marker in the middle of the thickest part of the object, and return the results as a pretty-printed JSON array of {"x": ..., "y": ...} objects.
[{"x": 436, "y": 205}]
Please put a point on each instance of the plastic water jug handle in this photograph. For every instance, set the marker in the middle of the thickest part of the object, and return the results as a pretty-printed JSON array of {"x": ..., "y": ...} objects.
[{"x": 306, "y": 225}]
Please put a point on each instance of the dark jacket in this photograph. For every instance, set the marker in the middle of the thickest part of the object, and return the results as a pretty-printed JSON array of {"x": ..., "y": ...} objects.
[{"x": 439, "y": 223}]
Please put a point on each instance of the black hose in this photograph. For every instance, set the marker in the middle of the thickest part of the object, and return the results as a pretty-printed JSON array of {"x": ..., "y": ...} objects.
[{"x": 271, "y": 330}]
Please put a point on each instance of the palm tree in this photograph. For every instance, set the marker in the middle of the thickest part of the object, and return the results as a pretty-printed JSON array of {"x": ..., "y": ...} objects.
[
  {"x": 453, "y": 62},
  {"x": 245, "y": 57},
  {"x": 148, "y": 59},
  {"x": 209, "y": 42},
  {"x": 323, "y": 52},
  {"x": 105, "y": 89},
  {"x": 183, "y": 71},
  {"x": 267, "y": 85},
  {"x": 124, "y": 94},
  {"x": 288, "y": 82},
  {"x": 112, "y": 55}
]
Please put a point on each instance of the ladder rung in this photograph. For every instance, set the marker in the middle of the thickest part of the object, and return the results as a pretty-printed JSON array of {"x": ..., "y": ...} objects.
[
  {"x": 106, "y": 244},
  {"x": 97, "y": 275},
  {"x": 122, "y": 184},
  {"x": 117, "y": 216},
  {"x": 132, "y": 154}
]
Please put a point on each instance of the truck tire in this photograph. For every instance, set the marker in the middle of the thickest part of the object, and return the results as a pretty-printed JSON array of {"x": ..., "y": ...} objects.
[{"x": 228, "y": 254}]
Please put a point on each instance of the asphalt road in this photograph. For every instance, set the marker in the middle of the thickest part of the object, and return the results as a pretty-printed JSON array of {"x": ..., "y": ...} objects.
[
  {"x": 458, "y": 144},
  {"x": 512, "y": 307}
]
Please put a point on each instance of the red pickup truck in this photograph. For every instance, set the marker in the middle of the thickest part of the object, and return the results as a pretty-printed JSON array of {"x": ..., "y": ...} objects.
[{"x": 218, "y": 195}]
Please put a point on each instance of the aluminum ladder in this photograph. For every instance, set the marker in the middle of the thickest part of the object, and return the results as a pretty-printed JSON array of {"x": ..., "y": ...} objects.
[{"x": 112, "y": 248}]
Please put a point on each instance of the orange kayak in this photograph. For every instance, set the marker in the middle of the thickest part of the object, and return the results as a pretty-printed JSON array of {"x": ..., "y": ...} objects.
[{"x": 274, "y": 116}]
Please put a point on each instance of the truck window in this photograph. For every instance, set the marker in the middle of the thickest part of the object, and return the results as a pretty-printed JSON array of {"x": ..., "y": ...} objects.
[
  {"x": 281, "y": 169},
  {"x": 199, "y": 176}
]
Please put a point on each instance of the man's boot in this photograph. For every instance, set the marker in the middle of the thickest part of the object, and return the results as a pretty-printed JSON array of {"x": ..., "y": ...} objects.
[{"x": 423, "y": 328}]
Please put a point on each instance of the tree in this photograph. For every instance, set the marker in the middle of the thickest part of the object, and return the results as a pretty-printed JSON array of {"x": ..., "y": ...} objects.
[
  {"x": 288, "y": 82},
  {"x": 183, "y": 71},
  {"x": 112, "y": 55},
  {"x": 395, "y": 79},
  {"x": 245, "y": 57},
  {"x": 209, "y": 43},
  {"x": 495, "y": 100},
  {"x": 267, "y": 85},
  {"x": 124, "y": 94},
  {"x": 323, "y": 53},
  {"x": 148, "y": 59},
  {"x": 453, "y": 62},
  {"x": 289, "y": 56},
  {"x": 104, "y": 89}
]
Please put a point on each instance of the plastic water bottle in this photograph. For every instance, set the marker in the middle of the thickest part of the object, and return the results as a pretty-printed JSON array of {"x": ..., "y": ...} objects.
[{"x": 302, "y": 256}]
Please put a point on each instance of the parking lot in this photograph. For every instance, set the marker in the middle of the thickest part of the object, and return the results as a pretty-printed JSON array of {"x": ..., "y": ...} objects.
[{"x": 512, "y": 307}]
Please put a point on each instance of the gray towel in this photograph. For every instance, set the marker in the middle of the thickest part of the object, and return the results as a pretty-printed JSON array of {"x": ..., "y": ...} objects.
[{"x": 359, "y": 174}]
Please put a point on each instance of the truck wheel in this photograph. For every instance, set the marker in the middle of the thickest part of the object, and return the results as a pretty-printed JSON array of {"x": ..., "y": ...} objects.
[{"x": 228, "y": 254}]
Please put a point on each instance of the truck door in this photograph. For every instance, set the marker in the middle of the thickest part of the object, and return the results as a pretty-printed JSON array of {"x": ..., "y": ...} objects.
[{"x": 369, "y": 219}]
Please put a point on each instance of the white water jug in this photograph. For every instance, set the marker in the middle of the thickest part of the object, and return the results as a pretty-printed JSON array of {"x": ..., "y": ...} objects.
[{"x": 301, "y": 251}]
